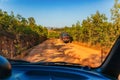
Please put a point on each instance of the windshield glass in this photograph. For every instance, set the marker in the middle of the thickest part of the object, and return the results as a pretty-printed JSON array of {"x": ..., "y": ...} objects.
[{"x": 30, "y": 30}]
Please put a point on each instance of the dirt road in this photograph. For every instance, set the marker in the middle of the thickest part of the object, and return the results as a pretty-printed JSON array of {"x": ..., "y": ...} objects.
[{"x": 56, "y": 50}]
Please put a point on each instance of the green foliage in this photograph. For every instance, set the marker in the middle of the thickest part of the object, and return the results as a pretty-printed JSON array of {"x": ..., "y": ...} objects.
[
  {"x": 20, "y": 25},
  {"x": 115, "y": 11},
  {"x": 93, "y": 30},
  {"x": 96, "y": 29},
  {"x": 53, "y": 34},
  {"x": 25, "y": 30}
]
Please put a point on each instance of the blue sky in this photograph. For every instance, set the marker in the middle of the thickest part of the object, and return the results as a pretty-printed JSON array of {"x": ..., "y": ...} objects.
[{"x": 57, "y": 13}]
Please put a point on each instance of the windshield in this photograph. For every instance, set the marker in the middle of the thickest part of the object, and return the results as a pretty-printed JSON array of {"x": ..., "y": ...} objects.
[{"x": 30, "y": 30}]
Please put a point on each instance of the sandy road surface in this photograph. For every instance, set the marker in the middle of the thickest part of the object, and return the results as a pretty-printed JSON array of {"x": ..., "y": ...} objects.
[{"x": 56, "y": 50}]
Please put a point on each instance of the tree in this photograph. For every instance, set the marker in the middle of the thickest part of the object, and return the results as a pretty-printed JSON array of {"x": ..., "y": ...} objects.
[
  {"x": 25, "y": 32},
  {"x": 31, "y": 21},
  {"x": 115, "y": 17},
  {"x": 87, "y": 27}
]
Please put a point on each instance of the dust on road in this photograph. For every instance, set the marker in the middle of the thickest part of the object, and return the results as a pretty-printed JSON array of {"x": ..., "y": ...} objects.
[{"x": 53, "y": 50}]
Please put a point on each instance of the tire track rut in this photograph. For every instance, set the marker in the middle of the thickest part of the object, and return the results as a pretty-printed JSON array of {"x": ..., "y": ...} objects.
[{"x": 54, "y": 50}]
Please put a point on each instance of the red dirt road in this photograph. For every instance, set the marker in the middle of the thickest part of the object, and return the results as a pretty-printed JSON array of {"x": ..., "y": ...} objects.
[{"x": 53, "y": 50}]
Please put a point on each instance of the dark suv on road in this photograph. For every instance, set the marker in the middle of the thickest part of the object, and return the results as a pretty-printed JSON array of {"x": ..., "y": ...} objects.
[{"x": 65, "y": 37}]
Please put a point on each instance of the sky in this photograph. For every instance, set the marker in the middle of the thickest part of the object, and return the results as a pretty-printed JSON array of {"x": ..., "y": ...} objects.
[{"x": 57, "y": 13}]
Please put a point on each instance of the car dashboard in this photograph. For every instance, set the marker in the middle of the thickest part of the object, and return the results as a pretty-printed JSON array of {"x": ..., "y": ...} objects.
[{"x": 53, "y": 72}]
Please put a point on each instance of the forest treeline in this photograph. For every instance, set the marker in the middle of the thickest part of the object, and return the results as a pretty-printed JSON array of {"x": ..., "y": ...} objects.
[
  {"x": 18, "y": 33},
  {"x": 96, "y": 29}
]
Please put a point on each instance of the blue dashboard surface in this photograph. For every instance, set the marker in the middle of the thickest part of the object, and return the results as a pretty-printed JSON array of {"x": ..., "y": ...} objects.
[{"x": 41, "y": 72}]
